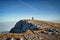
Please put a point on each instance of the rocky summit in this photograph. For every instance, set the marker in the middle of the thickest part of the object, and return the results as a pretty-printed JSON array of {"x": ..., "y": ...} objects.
[
  {"x": 22, "y": 26},
  {"x": 33, "y": 30}
]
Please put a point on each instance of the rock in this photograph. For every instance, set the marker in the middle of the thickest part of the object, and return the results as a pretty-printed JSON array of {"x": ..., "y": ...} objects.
[{"x": 21, "y": 26}]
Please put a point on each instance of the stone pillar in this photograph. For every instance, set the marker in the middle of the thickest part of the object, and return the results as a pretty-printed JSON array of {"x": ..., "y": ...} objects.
[{"x": 32, "y": 18}]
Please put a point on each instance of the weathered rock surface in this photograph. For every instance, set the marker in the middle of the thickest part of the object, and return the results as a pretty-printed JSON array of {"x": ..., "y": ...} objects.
[{"x": 22, "y": 26}]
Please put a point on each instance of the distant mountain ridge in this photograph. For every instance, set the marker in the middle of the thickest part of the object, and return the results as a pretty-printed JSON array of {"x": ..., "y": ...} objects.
[{"x": 4, "y": 32}]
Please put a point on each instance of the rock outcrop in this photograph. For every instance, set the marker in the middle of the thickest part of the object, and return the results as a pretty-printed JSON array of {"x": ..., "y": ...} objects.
[{"x": 22, "y": 26}]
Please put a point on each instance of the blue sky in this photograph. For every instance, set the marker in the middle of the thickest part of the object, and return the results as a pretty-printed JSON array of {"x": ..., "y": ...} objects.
[{"x": 14, "y": 10}]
